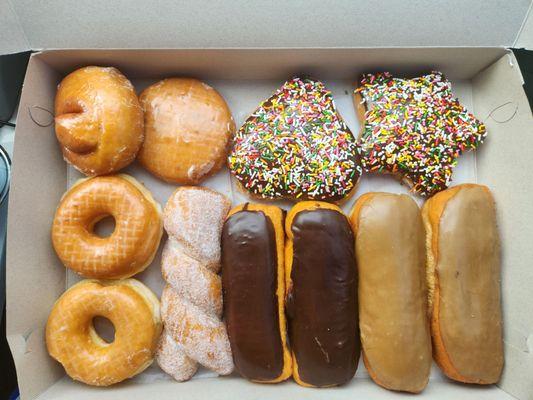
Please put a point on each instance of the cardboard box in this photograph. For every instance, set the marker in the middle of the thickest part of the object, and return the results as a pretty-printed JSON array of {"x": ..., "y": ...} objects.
[{"x": 487, "y": 80}]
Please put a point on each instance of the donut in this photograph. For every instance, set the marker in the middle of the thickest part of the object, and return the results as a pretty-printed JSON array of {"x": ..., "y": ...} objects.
[
  {"x": 188, "y": 130},
  {"x": 98, "y": 120},
  {"x": 191, "y": 303},
  {"x": 414, "y": 129},
  {"x": 253, "y": 285},
  {"x": 390, "y": 254},
  {"x": 72, "y": 339},
  {"x": 134, "y": 241},
  {"x": 463, "y": 271},
  {"x": 295, "y": 145},
  {"x": 321, "y": 286}
]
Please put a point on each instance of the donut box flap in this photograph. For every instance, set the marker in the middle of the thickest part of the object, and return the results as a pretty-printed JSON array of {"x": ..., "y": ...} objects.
[{"x": 27, "y": 25}]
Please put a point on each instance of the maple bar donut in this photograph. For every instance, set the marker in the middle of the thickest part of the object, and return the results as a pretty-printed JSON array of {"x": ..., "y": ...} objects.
[
  {"x": 296, "y": 145},
  {"x": 321, "y": 285},
  {"x": 253, "y": 284},
  {"x": 98, "y": 120},
  {"x": 390, "y": 253},
  {"x": 188, "y": 130},
  {"x": 463, "y": 271},
  {"x": 72, "y": 339},
  {"x": 414, "y": 129},
  {"x": 132, "y": 245}
]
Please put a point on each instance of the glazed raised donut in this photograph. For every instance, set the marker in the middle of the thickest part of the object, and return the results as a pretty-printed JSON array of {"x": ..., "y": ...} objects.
[
  {"x": 72, "y": 340},
  {"x": 132, "y": 245},
  {"x": 98, "y": 120},
  {"x": 191, "y": 303},
  {"x": 321, "y": 286},
  {"x": 188, "y": 129},
  {"x": 253, "y": 283},
  {"x": 463, "y": 272}
]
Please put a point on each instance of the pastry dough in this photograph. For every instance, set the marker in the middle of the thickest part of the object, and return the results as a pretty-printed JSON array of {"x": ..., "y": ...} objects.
[
  {"x": 253, "y": 281},
  {"x": 463, "y": 271},
  {"x": 72, "y": 340},
  {"x": 390, "y": 252},
  {"x": 321, "y": 285},
  {"x": 191, "y": 303},
  {"x": 132, "y": 245},
  {"x": 188, "y": 130},
  {"x": 98, "y": 120}
]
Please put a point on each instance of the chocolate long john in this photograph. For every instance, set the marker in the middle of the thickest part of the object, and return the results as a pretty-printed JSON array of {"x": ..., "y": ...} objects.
[
  {"x": 322, "y": 295},
  {"x": 254, "y": 290}
]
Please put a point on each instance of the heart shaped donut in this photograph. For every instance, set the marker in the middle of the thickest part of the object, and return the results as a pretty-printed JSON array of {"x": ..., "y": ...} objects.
[{"x": 296, "y": 146}]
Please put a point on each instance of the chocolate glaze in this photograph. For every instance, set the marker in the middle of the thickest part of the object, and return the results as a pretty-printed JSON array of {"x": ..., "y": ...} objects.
[
  {"x": 249, "y": 284},
  {"x": 322, "y": 302}
]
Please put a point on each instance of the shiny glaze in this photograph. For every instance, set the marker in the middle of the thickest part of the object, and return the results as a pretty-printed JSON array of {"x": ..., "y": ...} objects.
[
  {"x": 249, "y": 281},
  {"x": 322, "y": 299}
]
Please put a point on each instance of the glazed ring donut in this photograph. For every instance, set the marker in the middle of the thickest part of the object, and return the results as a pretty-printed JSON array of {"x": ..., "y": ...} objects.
[
  {"x": 132, "y": 245},
  {"x": 98, "y": 120},
  {"x": 72, "y": 340}
]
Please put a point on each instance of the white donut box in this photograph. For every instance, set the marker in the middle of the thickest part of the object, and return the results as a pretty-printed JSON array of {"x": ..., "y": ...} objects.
[{"x": 247, "y": 49}]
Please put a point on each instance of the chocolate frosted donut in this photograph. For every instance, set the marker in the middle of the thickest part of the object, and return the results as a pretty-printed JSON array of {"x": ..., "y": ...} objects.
[
  {"x": 296, "y": 145},
  {"x": 253, "y": 291},
  {"x": 322, "y": 295}
]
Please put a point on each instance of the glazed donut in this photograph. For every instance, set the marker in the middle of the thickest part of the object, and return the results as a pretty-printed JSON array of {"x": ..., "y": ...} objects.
[
  {"x": 188, "y": 129},
  {"x": 321, "y": 285},
  {"x": 72, "y": 340},
  {"x": 191, "y": 303},
  {"x": 389, "y": 244},
  {"x": 98, "y": 120},
  {"x": 132, "y": 245},
  {"x": 253, "y": 283},
  {"x": 463, "y": 272}
]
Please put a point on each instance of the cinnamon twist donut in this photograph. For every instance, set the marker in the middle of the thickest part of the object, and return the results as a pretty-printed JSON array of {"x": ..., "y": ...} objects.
[{"x": 191, "y": 303}]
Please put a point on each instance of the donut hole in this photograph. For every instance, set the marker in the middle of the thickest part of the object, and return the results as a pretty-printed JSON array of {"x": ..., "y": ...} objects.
[
  {"x": 104, "y": 227},
  {"x": 104, "y": 328}
]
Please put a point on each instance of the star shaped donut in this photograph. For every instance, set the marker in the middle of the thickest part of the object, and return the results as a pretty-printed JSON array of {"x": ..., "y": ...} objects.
[{"x": 414, "y": 129}]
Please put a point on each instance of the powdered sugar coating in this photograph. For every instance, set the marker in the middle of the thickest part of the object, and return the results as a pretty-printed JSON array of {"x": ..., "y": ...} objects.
[
  {"x": 191, "y": 303},
  {"x": 173, "y": 360},
  {"x": 194, "y": 217},
  {"x": 190, "y": 279},
  {"x": 202, "y": 336}
]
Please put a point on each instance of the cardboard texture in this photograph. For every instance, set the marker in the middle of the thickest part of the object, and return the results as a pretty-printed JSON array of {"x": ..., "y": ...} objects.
[
  {"x": 503, "y": 165},
  {"x": 13, "y": 39},
  {"x": 242, "y": 23},
  {"x": 524, "y": 38},
  {"x": 484, "y": 80},
  {"x": 33, "y": 279},
  {"x": 236, "y": 388}
]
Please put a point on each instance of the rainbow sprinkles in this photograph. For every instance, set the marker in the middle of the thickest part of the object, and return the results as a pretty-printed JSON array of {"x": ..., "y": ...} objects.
[
  {"x": 296, "y": 146},
  {"x": 415, "y": 129}
]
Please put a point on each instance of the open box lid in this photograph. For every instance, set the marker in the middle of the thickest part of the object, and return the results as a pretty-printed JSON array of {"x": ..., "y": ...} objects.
[{"x": 241, "y": 23}]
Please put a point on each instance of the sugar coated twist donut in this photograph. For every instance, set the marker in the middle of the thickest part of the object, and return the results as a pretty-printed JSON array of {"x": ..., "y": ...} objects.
[
  {"x": 98, "y": 120},
  {"x": 132, "y": 245},
  {"x": 191, "y": 303},
  {"x": 72, "y": 340}
]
